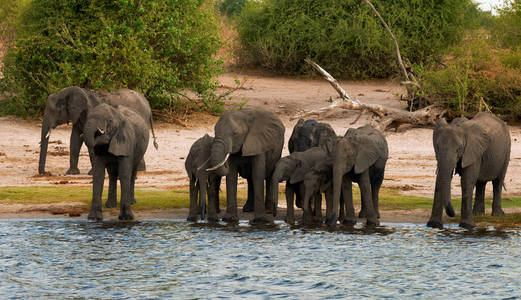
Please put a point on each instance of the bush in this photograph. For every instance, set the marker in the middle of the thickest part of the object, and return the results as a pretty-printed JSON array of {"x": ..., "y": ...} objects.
[
  {"x": 231, "y": 7},
  {"x": 507, "y": 27},
  {"x": 345, "y": 37},
  {"x": 476, "y": 69},
  {"x": 158, "y": 47}
]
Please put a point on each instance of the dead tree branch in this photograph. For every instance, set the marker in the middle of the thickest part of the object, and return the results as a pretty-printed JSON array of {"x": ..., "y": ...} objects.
[{"x": 384, "y": 116}]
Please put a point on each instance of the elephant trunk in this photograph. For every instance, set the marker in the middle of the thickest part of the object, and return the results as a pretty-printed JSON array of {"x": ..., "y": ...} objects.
[
  {"x": 89, "y": 132},
  {"x": 332, "y": 209},
  {"x": 442, "y": 197},
  {"x": 275, "y": 180},
  {"x": 220, "y": 152},
  {"x": 44, "y": 143}
]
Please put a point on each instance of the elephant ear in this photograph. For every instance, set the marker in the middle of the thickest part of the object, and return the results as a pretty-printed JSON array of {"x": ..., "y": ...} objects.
[
  {"x": 477, "y": 141},
  {"x": 369, "y": 148},
  {"x": 263, "y": 134},
  {"x": 120, "y": 143},
  {"x": 76, "y": 103},
  {"x": 298, "y": 174}
]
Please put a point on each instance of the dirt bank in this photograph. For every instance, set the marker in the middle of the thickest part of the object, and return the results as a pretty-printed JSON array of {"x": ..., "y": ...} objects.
[{"x": 411, "y": 166}]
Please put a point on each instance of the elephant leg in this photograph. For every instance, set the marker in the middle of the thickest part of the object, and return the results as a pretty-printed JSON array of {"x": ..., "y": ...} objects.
[
  {"x": 125, "y": 177},
  {"x": 318, "y": 207},
  {"x": 290, "y": 210},
  {"x": 74, "y": 154},
  {"x": 98, "y": 179},
  {"x": 479, "y": 201},
  {"x": 132, "y": 184},
  {"x": 366, "y": 195},
  {"x": 250, "y": 202},
  {"x": 258, "y": 176},
  {"x": 203, "y": 193},
  {"x": 231, "y": 197},
  {"x": 347, "y": 195},
  {"x": 142, "y": 166},
  {"x": 91, "y": 157},
  {"x": 113, "y": 186},
  {"x": 268, "y": 202},
  {"x": 306, "y": 213},
  {"x": 192, "y": 213},
  {"x": 376, "y": 183},
  {"x": 496, "y": 198},
  {"x": 468, "y": 182},
  {"x": 213, "y": 198}
]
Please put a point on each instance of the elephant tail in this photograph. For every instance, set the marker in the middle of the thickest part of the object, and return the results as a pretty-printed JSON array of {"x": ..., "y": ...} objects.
[
  {"x": 504, "y": 186},
  {"x": 153, "y": 133}
]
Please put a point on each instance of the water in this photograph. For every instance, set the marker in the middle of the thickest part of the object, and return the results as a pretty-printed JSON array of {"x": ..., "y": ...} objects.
[{"x": 176, "y": 259}]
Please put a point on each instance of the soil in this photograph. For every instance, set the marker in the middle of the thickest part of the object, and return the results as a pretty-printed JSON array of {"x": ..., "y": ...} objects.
[{"x": 411, "y": 166}]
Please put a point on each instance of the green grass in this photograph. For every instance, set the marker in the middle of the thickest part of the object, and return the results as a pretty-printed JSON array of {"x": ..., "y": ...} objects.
[{"x": 390, "y": 199}]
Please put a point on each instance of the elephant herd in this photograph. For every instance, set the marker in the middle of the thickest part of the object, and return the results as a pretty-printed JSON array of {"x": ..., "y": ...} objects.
[{"x": 249, "y": 143}]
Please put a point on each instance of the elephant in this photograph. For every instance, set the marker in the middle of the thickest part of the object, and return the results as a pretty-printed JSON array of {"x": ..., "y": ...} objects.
[
  {"x": 360, "y": 156},
  {"x": 73, "y": 104},
  {"x": 255, "y": 138},
  {"x": 118, "y": 137},
  {"x": 479, "y": 151},
  {"x": 310, "y": 133},
  {"x": 307, "y": 134},
  {"x": 202, "y": 183},
  {"x": 309, "y": 174}
]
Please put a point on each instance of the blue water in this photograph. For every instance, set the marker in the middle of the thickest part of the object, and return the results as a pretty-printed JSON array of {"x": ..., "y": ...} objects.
[{"x": 176, "y": 259}]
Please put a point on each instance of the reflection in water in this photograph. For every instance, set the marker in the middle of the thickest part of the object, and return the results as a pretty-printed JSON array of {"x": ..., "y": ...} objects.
[{"x": 176, "y": 259}]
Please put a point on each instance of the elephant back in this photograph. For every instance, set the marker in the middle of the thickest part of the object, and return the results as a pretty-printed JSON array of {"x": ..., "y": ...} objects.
[{"x": 131, "y": 99}]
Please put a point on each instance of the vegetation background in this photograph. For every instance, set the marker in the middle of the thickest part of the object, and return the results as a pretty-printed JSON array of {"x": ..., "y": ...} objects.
[{"x": 168, "y": 49}]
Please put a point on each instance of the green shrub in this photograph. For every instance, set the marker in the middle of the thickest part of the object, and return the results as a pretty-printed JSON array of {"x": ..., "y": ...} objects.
[
  {"x": 507, "y": 26},
  {"x": 476, "y": 69},
  {"x": 231, "y": 7},
  {"x": 345, "y": 37},
  {"x": 158, "y": 47}
]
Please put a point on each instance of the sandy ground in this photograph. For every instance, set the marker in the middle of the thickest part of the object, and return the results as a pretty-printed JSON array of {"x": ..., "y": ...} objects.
[{"x": 411, "y": 166}]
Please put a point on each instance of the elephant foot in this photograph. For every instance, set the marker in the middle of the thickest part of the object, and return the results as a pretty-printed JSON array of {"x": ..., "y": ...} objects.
[
  {"x": 72, "y": 171},
  {"x": 191, "y": 218},
  {"x": 349, "y": 222},
  {"x": 362, "y": 214},
  {"x": 264, "y": 220},
  {"x": 290, "y": 221},
  {"x": 95, "y": 215},
  {"x": 126, "y": 215},
  {"x": 213, "y": 220},
  {"x": 111, "y": 203},
  {"x": 478, "y": 211},
  {"x": 372, "y": 222},
  {"x": 467, "y": 225},
  {"x": 90, "y": 172},
  {"x": 133, "y": 201},
  {"x": 332, "y": 221},
  {"x": 248, "y": 207},
  {"x": 435, "y": 224},
  {"x": 497, "y": 212},
  {"x": 230, "y": 219}
]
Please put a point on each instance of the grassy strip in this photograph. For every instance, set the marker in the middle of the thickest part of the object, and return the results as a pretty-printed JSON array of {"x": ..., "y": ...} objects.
[{"x": 390, "y": 199}]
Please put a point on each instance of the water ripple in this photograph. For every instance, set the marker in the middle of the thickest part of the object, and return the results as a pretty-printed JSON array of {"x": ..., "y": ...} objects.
[{"x": 176, "y": 259}]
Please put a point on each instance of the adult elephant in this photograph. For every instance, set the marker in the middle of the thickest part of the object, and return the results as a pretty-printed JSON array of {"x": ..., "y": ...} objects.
[
  {"x": 255, "y": 137},
  {"x": 360, "y": 156},
  {"x": 118, "y": 137},
  {"x": 305, "y": 135},
  {"x": 73, "y": 104},
  {"x": 479, "y": 151}
]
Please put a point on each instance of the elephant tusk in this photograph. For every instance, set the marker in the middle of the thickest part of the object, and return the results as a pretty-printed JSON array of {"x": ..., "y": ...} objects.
[
  {"x": 48, "y": 134},
  {"x": 101, "y": 131},
  {"x": 219, "y": 165},
  {"x": 202, "y": 165}
]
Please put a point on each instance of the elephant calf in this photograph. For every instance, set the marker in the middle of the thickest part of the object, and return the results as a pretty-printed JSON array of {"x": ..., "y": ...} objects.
[
  {"x": 118, "y": 138},
  {"x": 306, "y": 174}
]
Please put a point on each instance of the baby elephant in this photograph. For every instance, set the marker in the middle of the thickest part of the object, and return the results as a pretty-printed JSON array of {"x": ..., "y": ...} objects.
[
  {"x": 118, "y": 138},
  {"x": 306, "y": 173},
  {"x": 201, "y": 181}
]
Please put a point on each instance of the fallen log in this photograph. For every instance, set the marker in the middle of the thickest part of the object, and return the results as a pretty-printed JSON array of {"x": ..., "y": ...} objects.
[{"x": 383, "y": 117}]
